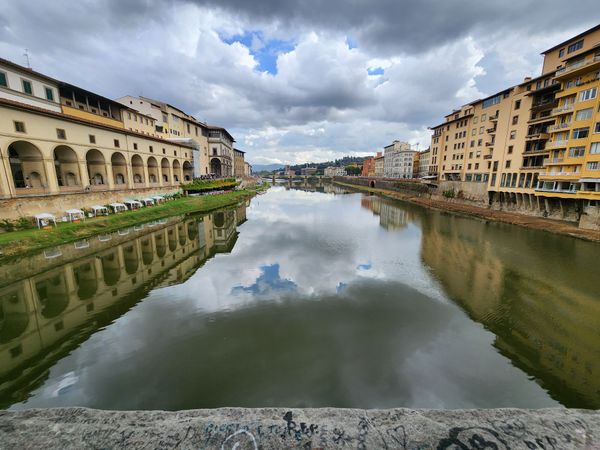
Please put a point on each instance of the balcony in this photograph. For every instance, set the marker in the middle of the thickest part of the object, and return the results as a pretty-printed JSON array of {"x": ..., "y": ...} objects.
[
  {"x": 549, "y": 161},
  {"x": 494, "y": 118},
  {"x": 563, "y": 109},
  {"x": 537, "y": 136},
  {"x": 579, "y": 67},
  {"x": 491, "y": 130},
  {"x": 487, "y": 157},
  {"x": 489, "y": 144},
  {"x": 535, "y": 151},
  {"x": 531, "y": 167},
  {"x": 559, "y": 127},
  {"x": 557, "y": 144}
]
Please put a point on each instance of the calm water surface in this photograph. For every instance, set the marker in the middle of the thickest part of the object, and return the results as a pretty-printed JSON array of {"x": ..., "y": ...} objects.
[{"x": 305, "y": 299}]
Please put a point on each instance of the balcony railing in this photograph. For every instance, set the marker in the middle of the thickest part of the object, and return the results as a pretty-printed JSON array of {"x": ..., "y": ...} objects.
[
  {"x": 487, "y": 157},
  {"x": 494, "y": 117},
  {"x": 535, "y": 151},
  {"x": 556, "y": 144},
  {"x": 489, "y": 144},
  {"x": 563, "y": 109},
  {"x": 559, "y": 126},
  {"x": 577, "y": 65},
  {"x": 539, "y": 135},
  {"x": 553, "y": 160},
  {"x": 491, "y": 130}
]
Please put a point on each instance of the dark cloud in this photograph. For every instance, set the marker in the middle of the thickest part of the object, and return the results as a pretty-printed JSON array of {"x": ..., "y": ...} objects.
[{"x": 410, "y": 26}]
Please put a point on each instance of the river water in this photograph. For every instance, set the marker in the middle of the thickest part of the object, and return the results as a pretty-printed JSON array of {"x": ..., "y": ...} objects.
[{"x": 305, "y": 299}]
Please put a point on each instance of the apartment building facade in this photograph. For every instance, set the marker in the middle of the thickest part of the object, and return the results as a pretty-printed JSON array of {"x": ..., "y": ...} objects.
[
  {"x": 536, "y": 145},
  {"x": 379, "y": 165},
  {"x": 398, "y": 160},
  {"x": 423, "y": 165}
]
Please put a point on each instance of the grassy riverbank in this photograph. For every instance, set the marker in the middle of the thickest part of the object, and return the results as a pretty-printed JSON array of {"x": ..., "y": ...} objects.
[
  {"x": 17, "y": 243},
  {"x": 533, "y": 222}
]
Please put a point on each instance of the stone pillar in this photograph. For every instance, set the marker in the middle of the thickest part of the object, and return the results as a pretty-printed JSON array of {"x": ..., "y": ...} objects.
[
  {"x": 110, "y": 181},
  {"x": 84, "y": 176},
  {"x": 7, "y": 187},
  {"x": 51, "y": 179}
]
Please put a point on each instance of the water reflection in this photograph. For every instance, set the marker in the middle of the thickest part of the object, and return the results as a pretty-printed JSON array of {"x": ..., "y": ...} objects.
[
  {"x": 318, "y": 300},
  {"x": 44, "y": 315}
]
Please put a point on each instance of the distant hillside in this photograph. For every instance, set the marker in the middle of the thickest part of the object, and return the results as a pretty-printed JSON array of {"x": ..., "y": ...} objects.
[
  {"x": 342, "y": 162},
  {"x": 266, "y": 167}
]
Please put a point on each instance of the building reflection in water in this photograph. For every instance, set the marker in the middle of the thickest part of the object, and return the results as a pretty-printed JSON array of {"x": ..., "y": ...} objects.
[
  {"x": 391, "y": 215},
  {"x": 57, "y": 304},
  {"x": 546, "y": 316}
]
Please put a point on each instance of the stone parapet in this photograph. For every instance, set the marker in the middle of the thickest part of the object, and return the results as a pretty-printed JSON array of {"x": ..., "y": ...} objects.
[{"x": 278, "y": 428}]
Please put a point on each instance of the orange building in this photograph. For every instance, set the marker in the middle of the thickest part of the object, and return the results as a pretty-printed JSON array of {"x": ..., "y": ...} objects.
[{"x": 368, "y": 169}]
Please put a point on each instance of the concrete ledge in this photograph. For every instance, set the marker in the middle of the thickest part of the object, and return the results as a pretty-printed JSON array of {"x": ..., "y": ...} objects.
[{"x": 276, "y": 428}]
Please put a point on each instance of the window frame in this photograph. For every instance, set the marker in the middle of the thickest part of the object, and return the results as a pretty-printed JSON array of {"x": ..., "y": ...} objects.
[{"x": 23, "y": 81}]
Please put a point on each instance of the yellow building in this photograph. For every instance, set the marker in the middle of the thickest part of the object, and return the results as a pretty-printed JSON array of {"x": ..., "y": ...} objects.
[{"x": 536, "y": 145}]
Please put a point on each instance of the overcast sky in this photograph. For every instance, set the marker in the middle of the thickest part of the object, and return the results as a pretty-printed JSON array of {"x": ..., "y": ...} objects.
[{"x": 296, "y": 80}]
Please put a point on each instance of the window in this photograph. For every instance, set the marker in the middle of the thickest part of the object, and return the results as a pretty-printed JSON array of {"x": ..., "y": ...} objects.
[
  {"x": 92, "y": 139},
  {"x": 27, "y": 87},
  {"x": 507, "y": 165},
  {"x": 473, "y": 131},
  {"x": 19, "y": 127},
  {"x": 576, "y": 152},
  {"x": 580, "y": 133},
  {"x": 561, "y": 53},
  {"x": 61, "y": 134},
  {"x": 597, "y": 128},
  {"x": 492, "y": 101},
  {"x": 175, "y": 152},
  {"x": 129, "y": 115},
  {"x": 135, "y": 117},
  {"x": 595, "y": 148},
  {"x": 49, "y": 93},
  {"x": 479, "y": 142},
  {"x": 515, "y": 120},
  {"x": 510, "y": 149},
  {"x": 164, "y": 152},
  {"x": 513, "y": 134},
  {"x": 483, "y": 117},
  {"x": 518, "y": 104},
  {"x": 574, "y": 47},
  {"x": 481, "y": 130},
  {"x": 584, "y": 114},
  {"x": 117, "y": 143},
  {"x": 3, "y": 80},
  {"x": 475, "y": 119},
  {"x": 188, "y": 128},
  {"x": 134, "y": 146},
  {"x": 588, "y": 94},
  {"x": 151, "y": 149},
  {"x": 594, "y": 165}
]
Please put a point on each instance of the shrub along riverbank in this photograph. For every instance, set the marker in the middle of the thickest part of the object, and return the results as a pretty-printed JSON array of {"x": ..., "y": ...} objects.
[
  {"x": 198, "y": 186},
  {"x": 18, "y": 243}
]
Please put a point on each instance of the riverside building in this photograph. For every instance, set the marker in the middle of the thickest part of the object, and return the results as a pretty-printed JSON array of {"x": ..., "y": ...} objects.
[
  {"x": 398, "y": 160},
  {"x": 535, "y": 146},
  {"x": 74, "y": 148}
]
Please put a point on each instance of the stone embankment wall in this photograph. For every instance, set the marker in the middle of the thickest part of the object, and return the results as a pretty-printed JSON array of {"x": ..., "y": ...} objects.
[
  {"x": 278, "y": 428},
  {"x": 476, "y": 194},
  {"x": 57, "y": 204}
]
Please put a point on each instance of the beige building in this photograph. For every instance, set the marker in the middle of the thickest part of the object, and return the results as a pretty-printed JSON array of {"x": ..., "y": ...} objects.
[
  {"x": 247, "y": 169},
  {"x": 56, "y": 138},
  {"x": 221, "y": 158},
  {"x": 379, "y": 165},
  {"x": 239, "y": 166},
  {"x": 423, "y": 164}
]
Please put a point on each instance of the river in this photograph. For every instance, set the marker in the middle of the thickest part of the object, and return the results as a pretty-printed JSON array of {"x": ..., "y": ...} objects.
[{"x": 305, "y": 298}]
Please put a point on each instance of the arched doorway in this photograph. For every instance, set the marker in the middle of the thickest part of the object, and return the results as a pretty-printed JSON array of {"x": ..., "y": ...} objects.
[
  {"x": 215, "y": 167},
  {"x": 137, "y": 167},
  {"x": 66, "y": 166},
  {"x": 176, "y": 171},
  {"x": 27, "y": 165},
  {"x": 153, "y": 175},
  {"x": 96, "y": 167},
  {"x": 188, "y": 171},
  {"x": 119, "y": 169},
  {"x": 165, "y": 168}
]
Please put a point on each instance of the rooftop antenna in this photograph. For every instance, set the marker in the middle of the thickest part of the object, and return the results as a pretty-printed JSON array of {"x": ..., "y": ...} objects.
[{"x": 26, "y": 55}]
